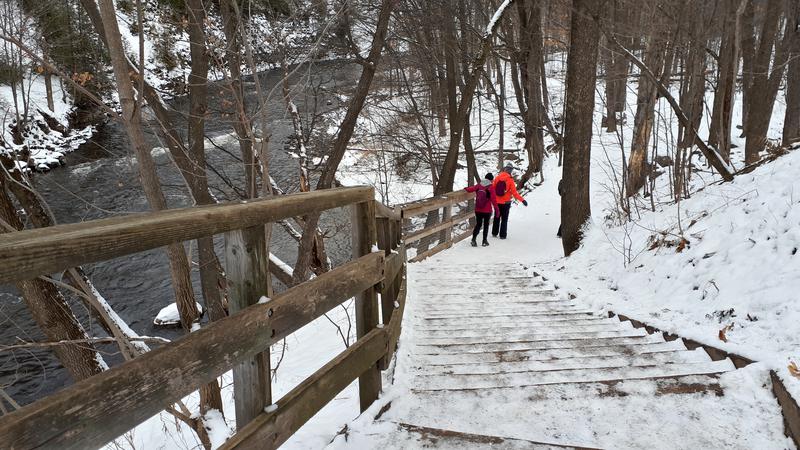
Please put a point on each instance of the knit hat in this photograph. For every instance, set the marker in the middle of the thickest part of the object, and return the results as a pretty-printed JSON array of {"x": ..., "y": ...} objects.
[
  {"x": 489, "y": 176},
  {"x": 508, "y": 168}
]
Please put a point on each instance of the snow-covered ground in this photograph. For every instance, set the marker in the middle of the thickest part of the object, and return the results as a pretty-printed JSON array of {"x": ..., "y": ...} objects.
[{"x": 47, "y": 146}]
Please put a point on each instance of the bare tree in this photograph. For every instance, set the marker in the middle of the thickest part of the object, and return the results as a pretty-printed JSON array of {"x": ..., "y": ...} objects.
[{"x": 579, "y": 108}]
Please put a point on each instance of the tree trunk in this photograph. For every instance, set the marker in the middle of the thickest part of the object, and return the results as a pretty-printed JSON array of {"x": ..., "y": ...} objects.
[
  {"x": 579, "y": 108},
  {"x": 179, "y": 264},
  {"x": 346, "y": 130},
  {"x": 51, "y": 311},
  {"x": 764, "y": 88},
  {"x": 643, "y": 121},
  {"x": 791, "y": 122},
  {"x": 210, "y": 395},
  {"x": 720, "y": 129}
]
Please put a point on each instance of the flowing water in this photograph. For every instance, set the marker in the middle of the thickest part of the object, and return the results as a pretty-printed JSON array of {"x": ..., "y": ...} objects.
[{"x": 100, "y": 180}]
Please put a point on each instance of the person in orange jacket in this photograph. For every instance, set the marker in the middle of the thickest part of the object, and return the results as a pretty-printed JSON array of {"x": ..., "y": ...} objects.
[{"x": 505, "y": 188}]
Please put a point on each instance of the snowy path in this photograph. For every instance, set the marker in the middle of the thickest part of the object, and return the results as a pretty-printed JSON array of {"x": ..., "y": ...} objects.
[{"x": 492, "y": 357}]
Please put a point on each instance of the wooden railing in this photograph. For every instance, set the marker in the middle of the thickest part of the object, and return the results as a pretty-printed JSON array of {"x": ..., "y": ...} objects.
[
  {"x": 94, "y": 411},
  {"x": 446, "y": 224}
]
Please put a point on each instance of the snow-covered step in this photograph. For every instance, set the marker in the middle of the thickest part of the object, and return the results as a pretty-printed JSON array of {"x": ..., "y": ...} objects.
[
  {"x": 521, "y": 319},
  {"x": 582, "y": 392},
  {"x": 584, "y": 362},
  {"x": 465, "y": 283},
  {"x": 551, "y": 322},
  {"x": 501, "y": 380},
  {"x": 545, "y": 307},
  {"x": 523, "y": 336},
  {"x": 546, "y": 354},
  {"x": 537, "y": 345},
  {"x": 495, "y": 310},
  {"x": 491, "y": 332},
  {"x": 526, "y": 316},
  {"x": 407, "y": 436},
  {"x": 487, "y": 291}
]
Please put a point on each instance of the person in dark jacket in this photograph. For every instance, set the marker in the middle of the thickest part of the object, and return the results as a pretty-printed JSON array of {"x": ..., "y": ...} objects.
[
  {"x": 485, "y": 203},
  {"x": 506, "y": 190}
]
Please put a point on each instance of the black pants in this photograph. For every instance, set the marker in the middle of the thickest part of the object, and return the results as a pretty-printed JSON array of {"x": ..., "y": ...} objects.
[
  {"x": 481, "y": 219},
  {"x": 500, "y": 224}
]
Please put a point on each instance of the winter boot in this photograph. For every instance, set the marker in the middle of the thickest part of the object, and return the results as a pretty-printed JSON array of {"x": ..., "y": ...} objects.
[
  {"x": 485, "y": 243},
  {"x": 473, "y": 243}
]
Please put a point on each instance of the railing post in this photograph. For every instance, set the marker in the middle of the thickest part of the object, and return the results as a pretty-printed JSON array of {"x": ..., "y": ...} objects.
[
  {"x": 363, "y": 238},
  {"x": 246, "y": 267},
  {"x": 448, "y": 214},
  {"x": 387, "y": 291}
]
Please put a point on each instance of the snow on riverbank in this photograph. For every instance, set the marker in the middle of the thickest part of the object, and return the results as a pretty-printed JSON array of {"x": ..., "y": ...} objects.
[{"x": 47, "y": 135}]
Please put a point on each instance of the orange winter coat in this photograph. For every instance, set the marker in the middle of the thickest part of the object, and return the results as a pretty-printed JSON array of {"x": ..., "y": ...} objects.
[{"x": 511, "y": 188}]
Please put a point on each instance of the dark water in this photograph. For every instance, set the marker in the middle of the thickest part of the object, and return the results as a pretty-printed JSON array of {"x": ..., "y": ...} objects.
[{"x": 100, "y": 180}]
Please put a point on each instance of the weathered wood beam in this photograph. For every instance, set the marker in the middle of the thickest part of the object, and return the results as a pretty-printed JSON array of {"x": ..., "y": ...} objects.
[
  {"x": 246, "y": 262},
  {"x": 31, "y": 253},
  {"x": 424, "y": 206},
  {"x": 364, "y": 237},
  {"x": 270, "y": 430},
  {"x": 87, "y": 414}
]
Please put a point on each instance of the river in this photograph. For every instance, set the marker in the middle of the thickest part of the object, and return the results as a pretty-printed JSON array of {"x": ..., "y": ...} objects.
[{"x": 100, "y": 180}]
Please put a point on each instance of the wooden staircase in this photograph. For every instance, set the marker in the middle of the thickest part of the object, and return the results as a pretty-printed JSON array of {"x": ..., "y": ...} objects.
[{"x": 495, "y": 359}]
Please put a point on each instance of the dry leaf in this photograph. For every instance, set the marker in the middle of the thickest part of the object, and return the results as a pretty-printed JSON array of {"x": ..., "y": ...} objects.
[
  {"x": 722, "y": 332},
  {"x": 682, "y": 245},
  {"x": 794, "y": 370}
]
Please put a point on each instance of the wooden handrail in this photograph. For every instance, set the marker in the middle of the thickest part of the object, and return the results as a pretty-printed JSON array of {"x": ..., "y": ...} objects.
[
  {"x": 94, "y": 411},
  {"x": 97, "y": 410},
  {"x": 444, "y": 227},
  {"x": 423, "y": 206},
  {"x": 30, "y": 253}
]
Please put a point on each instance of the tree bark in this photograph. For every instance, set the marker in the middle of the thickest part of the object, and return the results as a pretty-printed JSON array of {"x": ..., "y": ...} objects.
[
  {"x": 720, "y": 129},
  {"x": 643, "y": 121},
  {"x": 767, "y": 74},
  {"x": 791, "y": 122},
  {"x": 131, "y": 117},
  {"x": 51, "y": 311},
  {"x": 579, "y": 108}
]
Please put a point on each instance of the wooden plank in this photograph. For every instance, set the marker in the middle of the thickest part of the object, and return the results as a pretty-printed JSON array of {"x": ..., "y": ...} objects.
[
  {"x": 438, "y": 227},
  {"x": 394, "y": 263},
  {"x": 432, "y": 251},
  {"x": 363, "y": 239},
  {"x": 30, "y": 253},
  {"x": 246, "y": 267},
  {"x": 443, "y": 246},
  {"x": 424, "y": 206},
  {"x": 448, "y": 214},
  {"x": 462, "y": 236},
  {"x": 789, "y": 408},
  {"x": 425, "y": 232},
  {"x": 458, "y": 218},
  {"x": 394, "y": 327},
  {"x": 94, "y": 411},
  {"x": 384, "y": 211},
  {"x": 271, "y": 429}
]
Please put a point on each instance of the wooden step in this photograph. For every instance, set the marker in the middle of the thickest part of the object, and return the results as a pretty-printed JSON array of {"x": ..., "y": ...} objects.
[
  {"x": 529, "y": 315},
  {"x": 502, "y": 380},
  {"x": 707, "y": 383},
  {"x": 544, "y": 308},
  {"x": 538, "y": 345},
  {"x": 544, "y": 335},
  {"x": 584, "y": 362},
  {"x": 555, "y": 322},
  {"x": 546, "y": 354},
  {"x": 553, "y": 327}
]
